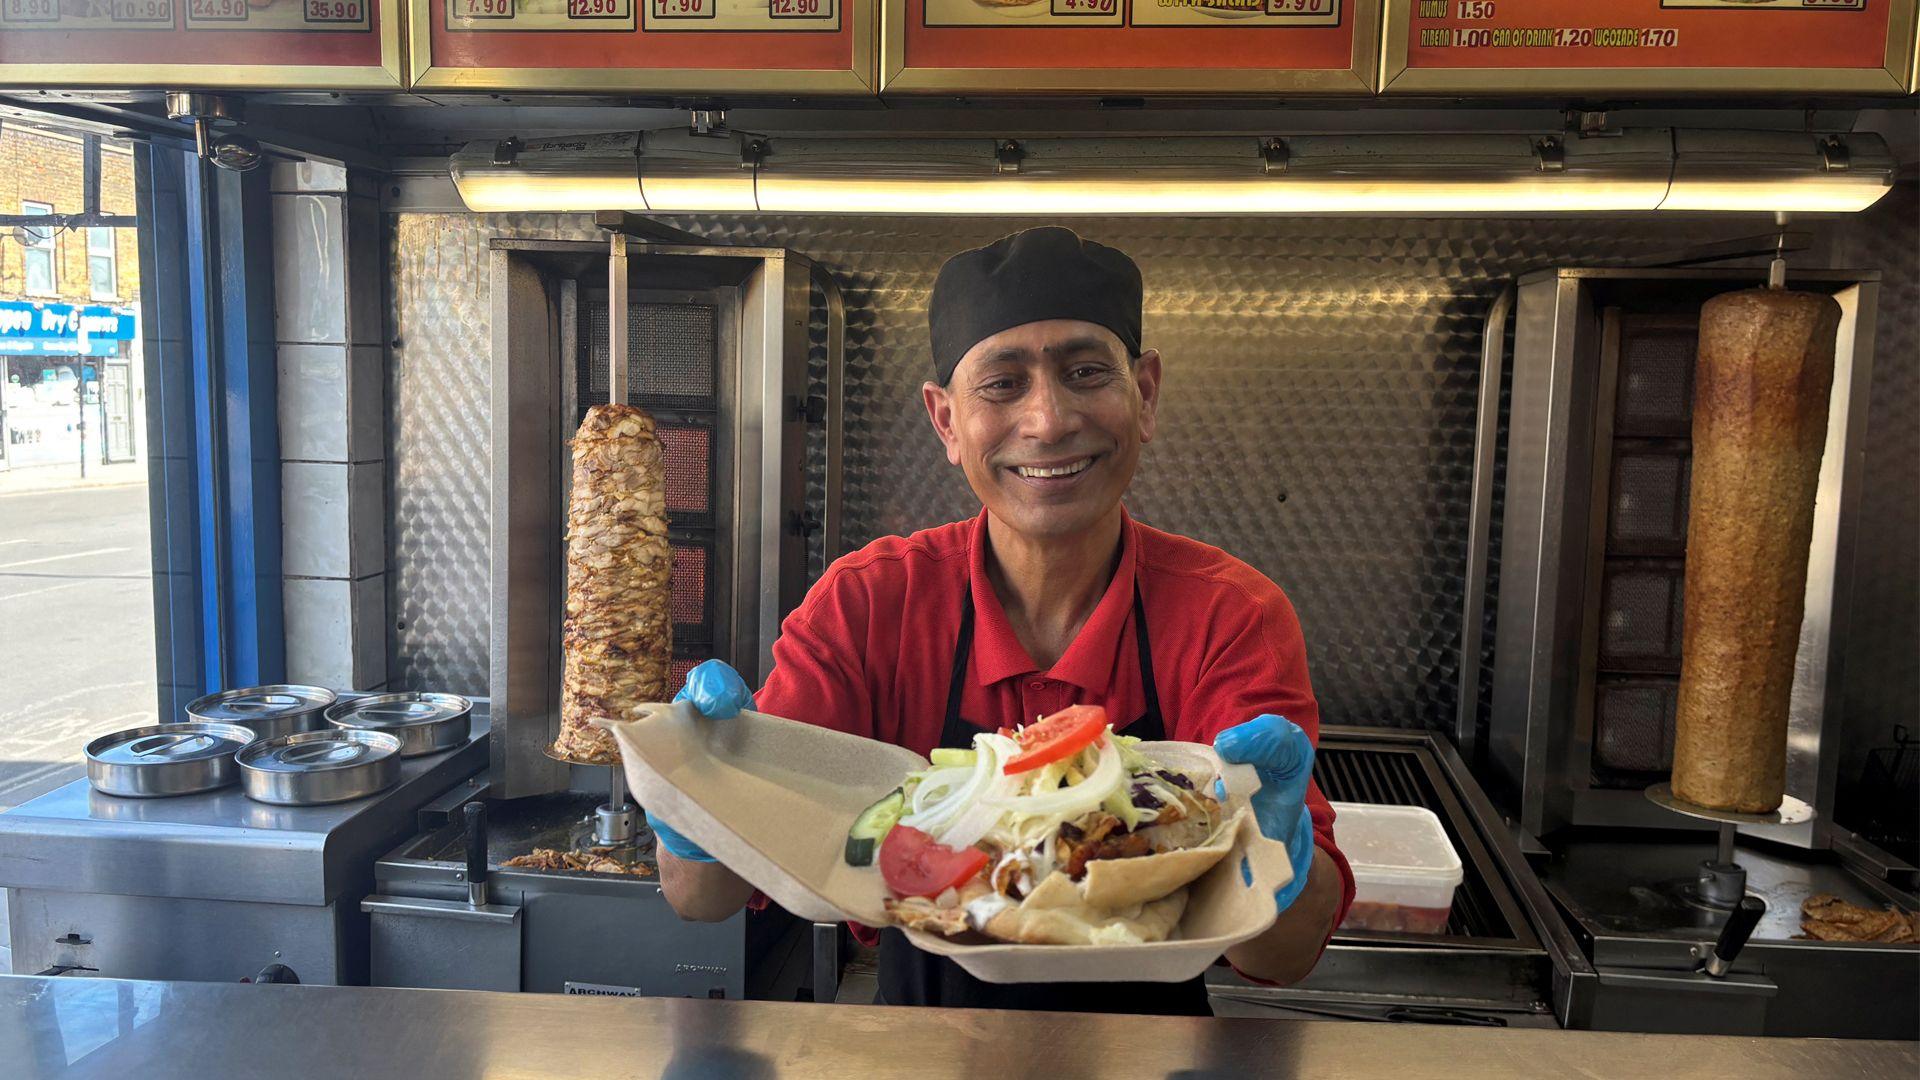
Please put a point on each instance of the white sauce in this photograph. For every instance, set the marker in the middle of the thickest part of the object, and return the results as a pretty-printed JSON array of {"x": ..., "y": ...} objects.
[{"x": 982, "y": 910}]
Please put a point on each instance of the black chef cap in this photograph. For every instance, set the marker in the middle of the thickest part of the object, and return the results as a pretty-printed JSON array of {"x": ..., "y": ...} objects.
[{"x": 1044, "y": 273}]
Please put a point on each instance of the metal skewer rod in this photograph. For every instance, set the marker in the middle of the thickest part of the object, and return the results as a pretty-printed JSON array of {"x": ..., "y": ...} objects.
[
  {"x": 617, "y": 319},
  {"x": 613, "y": 823},
  {"x": 1777, "y": 268}
]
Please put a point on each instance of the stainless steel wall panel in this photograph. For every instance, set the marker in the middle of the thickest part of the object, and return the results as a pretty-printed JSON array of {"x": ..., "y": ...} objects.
[
  {"x": 439, "y": 443},
  {"x": 1882, "y": 678},
  {"x": 1318, "y": 418}
]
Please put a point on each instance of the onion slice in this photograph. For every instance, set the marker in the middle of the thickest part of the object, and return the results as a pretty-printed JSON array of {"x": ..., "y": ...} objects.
[
  {"x": 976, "y": 821},
  {"x": 930, "y": 819},
  {"x": 1071, "y": 802}
]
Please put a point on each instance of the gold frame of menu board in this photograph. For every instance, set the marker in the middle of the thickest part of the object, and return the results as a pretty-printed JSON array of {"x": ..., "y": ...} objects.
[
  {"x": 856, "y": 78},
  {"x": 1913, "y": 77},
  {"x": 386, "y": 75},
  {"x": 1357, "y": 78},
  {"x": 1895, "y": 75}
]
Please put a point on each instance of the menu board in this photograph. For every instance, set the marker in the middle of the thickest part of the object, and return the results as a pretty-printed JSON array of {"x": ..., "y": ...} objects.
[
  {"x": 1128, "y": 47},
  {"x": 191, "y": 44},
  {"x": 714, "y": 46},
  {"x": 1760, "y": 47}
]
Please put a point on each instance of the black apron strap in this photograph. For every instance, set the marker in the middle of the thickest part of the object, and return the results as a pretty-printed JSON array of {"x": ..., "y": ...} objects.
[
  {"x": 955, "y": 732},
  {"x": 1151, "y": 727},
  {"x": 909, "y": 976}
]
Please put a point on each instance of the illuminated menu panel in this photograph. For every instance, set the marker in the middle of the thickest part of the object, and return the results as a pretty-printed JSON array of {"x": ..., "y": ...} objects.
[
  {"x": 278, "y": 14},
  {"x": 644, "y": 45},
  {"x": 56, "y": 14},
  {"x": 584, "y": 16},
  {"x": 1651, "y": 46},
  {"x": 1128, "y": 46},
  {"x": 183, "y": 44}
]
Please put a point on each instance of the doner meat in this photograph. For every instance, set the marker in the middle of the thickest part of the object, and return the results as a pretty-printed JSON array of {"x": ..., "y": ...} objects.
[
  {"x": 1759, "y": 424},
  {"x": 618, "y": 634}
]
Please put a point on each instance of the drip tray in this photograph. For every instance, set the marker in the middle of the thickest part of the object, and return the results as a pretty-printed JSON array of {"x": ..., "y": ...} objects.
[
  {"x": 561, "y": 821},
  {"x": 1489, "y": 966}
]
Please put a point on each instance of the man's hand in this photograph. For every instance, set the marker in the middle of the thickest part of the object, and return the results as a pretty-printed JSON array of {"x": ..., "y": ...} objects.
[
  {"x": 1283, "y": 756},
  {"x": 1305, "y": 906},
  {"x": 719, "y": 693}
]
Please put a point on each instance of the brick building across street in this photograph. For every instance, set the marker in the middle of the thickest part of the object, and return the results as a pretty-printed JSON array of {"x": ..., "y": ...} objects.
[{"x": 58, "y": 288}]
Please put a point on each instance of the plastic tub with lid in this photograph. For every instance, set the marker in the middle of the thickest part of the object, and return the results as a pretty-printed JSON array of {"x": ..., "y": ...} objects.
[{"x": 1404, "y": 867}]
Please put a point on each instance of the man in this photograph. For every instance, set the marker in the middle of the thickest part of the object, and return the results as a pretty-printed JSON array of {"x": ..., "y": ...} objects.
[{"x": 1052, "y": 596}]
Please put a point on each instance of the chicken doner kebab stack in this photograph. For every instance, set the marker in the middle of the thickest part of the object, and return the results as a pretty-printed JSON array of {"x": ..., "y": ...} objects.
[
  {"x": 1761, "y": 383},
  {"x": 618, "y": 633}
]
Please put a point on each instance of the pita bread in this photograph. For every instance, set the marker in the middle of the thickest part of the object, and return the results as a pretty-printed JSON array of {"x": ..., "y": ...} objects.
[
  {"x": 1090, "y": 926},
  {"x": 1024, "y": 924},
  {"x": 1117, "y": 901}
]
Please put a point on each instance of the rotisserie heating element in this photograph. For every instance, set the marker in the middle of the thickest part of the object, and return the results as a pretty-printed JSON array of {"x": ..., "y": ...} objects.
[{"x": 673, "y": 370}]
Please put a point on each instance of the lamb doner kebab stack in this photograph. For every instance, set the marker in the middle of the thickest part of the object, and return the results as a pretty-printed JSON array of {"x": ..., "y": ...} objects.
[
  {"x": 618, "y": 633},
  {"x": 1761, "y": 384}
]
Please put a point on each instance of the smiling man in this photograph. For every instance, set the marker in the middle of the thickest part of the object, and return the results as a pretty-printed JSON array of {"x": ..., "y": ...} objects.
[{"x": 1053, "y": 595}]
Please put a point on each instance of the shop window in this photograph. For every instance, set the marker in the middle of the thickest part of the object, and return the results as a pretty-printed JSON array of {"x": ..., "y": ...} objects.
[
  {"x": 37, "y": 243},
  {"x": 102, "y": 274}
]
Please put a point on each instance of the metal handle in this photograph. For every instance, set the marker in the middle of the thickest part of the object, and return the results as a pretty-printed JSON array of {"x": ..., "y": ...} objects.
[
  {"x": 473, "y": 819},
  {"x": 836, "y": 409},
  {"x": 1733, "y": 936},
  {"x": 1486, "y": 439}
]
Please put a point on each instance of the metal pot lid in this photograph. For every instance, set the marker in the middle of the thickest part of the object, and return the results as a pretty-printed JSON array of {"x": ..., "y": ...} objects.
[
  {"x": 163, "y": 744},
  {"x": 389, "y": 712},
  {"x": 319, "y": 751},
  {"x": 259, "y": 703}
]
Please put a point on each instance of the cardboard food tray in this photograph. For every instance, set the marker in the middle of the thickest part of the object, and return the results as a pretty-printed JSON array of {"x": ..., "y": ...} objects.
[{"x": 772, "y": 799}]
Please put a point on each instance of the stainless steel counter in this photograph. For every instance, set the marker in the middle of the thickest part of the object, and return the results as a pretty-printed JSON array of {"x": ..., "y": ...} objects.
[
  {"x": 83, "y": 1028},
  {"x": 218, "y": 845}
]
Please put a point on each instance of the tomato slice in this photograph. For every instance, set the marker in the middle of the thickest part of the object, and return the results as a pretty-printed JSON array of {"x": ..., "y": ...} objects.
[
  {"x": 1061, "y": 735},
  {"x": 913, "y": 864}
]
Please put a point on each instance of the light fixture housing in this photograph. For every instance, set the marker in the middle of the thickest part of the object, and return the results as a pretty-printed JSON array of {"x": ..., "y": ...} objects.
[{"x": 675, "y": 171}]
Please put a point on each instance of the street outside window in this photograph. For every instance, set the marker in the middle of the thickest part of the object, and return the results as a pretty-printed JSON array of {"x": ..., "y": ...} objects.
[
  {"x": 77, "y": 634},
  {"x": 102, "y": 280},
  {"x": 37, "y": 242}
]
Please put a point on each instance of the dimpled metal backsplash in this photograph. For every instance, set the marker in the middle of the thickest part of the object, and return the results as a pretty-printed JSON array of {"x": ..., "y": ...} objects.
[{"x": 1317, "y": 420}]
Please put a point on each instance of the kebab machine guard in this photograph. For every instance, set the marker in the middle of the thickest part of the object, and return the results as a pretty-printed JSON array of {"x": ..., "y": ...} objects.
[{"x": 715, "y": 344}]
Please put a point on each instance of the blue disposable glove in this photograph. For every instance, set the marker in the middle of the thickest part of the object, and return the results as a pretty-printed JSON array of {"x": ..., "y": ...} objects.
[
  {"x": 1283, "y": 755},
  {"x": 719, "y": 693}
]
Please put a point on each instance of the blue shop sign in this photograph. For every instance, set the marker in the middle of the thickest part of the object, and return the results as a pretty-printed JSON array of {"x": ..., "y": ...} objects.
[{"x": 29, "y": 329}]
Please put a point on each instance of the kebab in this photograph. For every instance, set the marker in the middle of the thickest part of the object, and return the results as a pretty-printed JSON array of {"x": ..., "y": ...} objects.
[
  {"x": 1058, "y": 833},
  {"x": 1761, "y": 384},
  {"x": 618, "y": 631}
]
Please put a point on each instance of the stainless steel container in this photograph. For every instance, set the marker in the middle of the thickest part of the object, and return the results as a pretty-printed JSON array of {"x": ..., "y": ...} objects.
[
  {"x": 271, "y": 711},
  {"x": 425, "y": 723},
  {"x": 310, "y": 768},
  {"x": 166, "y": 759}
]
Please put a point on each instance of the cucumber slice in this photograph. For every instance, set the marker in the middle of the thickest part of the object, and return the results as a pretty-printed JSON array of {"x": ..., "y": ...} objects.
[
  {"x": 945, "y": 757},
  {"x": 872, "y": 826}
]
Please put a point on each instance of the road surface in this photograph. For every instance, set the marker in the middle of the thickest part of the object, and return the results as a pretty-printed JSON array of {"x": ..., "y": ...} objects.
[{"x": 76, "y": 630}]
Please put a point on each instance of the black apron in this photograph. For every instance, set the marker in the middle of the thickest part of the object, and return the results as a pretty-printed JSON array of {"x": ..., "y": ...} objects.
[{"x": 911, "y": 977}]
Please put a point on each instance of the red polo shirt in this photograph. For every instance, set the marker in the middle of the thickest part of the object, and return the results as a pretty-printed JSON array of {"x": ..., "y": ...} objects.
[{"x": 870, "y": 650}]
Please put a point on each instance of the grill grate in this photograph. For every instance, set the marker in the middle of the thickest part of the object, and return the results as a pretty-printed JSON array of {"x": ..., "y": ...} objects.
[
  {"x": 1389, "y": 778},
  {"x": 671, "y": 352}
]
